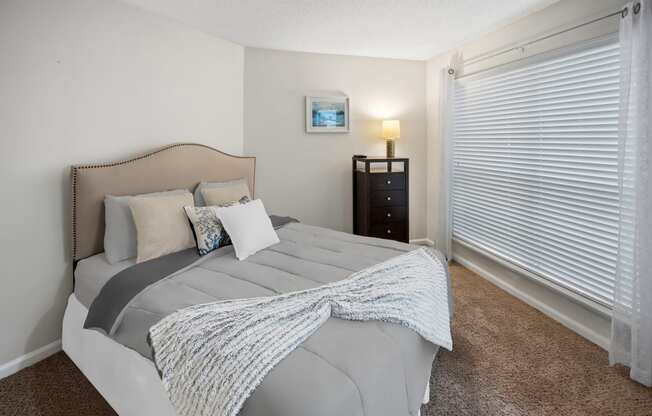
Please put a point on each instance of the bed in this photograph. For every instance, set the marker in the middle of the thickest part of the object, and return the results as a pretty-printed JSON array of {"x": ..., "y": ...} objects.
[{"x": 366, "y": 368}]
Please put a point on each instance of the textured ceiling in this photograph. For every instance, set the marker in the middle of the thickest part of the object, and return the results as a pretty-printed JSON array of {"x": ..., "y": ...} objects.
[{"x": 410, "y": 29}]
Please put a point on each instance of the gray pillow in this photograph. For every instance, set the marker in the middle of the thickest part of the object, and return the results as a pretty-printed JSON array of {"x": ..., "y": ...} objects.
[
  {"x": 120, "y": 241},
  {"x": 199, "y": 198}
]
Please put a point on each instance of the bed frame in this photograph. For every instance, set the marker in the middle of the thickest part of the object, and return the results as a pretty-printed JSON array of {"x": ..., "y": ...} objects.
[
  {"x": 177, "y": 166},
  {"x": 129, "y": 382}
]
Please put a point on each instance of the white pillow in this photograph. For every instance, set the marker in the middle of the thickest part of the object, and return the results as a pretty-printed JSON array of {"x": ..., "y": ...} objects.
[
  {"x": 209, "y": 232},
  {"x": 249, "y": 227}
]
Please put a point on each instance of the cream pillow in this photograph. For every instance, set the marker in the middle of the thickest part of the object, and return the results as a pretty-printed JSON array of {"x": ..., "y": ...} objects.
[
  {"x": 119, "y": 228},
  {"x": 161, "y": 225},
  {"x": 225, "y": 193}
]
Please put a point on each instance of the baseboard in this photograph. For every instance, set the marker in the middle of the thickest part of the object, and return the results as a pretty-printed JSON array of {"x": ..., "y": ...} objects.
[
  {"x": 29, "y": 359},
  {"x": 544, "y": 308},
  {"x": 423, "y": 242}
]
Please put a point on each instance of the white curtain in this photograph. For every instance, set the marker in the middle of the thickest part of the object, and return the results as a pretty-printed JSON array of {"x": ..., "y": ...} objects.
[
  {"x": 631, "y": 335},
  {"x": 444, "y": 233}
]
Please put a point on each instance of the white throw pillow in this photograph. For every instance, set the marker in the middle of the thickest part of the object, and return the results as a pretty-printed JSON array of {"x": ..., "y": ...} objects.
[
  {"x": 249, "y": 227},
  {"x": 209, "y": 232}
]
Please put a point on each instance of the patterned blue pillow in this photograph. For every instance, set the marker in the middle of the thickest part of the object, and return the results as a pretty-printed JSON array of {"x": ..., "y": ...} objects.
[{"x": 209, "y": 232}]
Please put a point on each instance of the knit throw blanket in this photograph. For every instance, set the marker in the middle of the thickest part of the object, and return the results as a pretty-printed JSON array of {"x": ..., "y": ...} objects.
[{"x": 212, "y": 356}]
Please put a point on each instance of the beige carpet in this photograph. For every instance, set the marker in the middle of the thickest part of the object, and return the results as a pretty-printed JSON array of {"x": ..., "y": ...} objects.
[{"x": 508, "y": 359}]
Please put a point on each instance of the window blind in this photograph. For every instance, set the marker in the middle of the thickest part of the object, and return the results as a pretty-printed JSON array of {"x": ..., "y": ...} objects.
[{"x": 535, "y": 173}]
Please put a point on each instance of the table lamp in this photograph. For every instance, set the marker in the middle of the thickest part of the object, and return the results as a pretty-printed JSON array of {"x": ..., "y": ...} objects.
[{"x": 391, "y": 132}]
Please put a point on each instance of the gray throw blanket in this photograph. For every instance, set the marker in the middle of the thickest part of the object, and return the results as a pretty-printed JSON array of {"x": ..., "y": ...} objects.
[{"x": 212, "y": 356}]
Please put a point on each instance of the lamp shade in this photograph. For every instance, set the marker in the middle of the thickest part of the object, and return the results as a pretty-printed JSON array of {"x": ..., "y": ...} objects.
[{"x": 391, "y": 129}]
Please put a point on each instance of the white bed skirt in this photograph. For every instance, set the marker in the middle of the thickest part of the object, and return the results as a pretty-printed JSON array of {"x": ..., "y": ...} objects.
[{"x": 127, "y": 381}]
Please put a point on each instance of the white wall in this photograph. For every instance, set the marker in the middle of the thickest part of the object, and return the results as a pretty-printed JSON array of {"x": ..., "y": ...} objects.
[
  {"x": 309, "y": 175},
  {"x": 82, "y": 81},
  {"x": 561, "y": 15}
]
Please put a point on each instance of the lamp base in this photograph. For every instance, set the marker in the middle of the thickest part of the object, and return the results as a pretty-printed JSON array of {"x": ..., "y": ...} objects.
[{"x": 390, "y": 148}]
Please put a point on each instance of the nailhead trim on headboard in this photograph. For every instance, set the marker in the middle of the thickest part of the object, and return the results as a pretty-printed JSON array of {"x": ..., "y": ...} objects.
[{"x": 77, "y": 168}]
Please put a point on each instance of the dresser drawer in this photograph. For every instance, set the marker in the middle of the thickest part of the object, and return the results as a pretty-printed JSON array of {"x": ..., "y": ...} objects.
[
  {"x": 394, "y": 230},
  {"x": 381, "y": 181},
  {"x": 387, "y": 198},
  {"x": 381, "y": 206},
  {"x": 382, "y": 215}
]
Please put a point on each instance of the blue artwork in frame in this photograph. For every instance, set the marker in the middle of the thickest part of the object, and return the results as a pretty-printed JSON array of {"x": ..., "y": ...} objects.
[{"x": 327, "y": 114}]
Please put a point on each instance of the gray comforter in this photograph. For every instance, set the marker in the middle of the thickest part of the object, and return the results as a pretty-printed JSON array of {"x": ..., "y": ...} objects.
[{"x": 345, "y": 368}]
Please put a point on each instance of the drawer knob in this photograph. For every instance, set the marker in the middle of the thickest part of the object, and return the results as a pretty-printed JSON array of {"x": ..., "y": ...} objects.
[
  {"x": 389, "y": 231},
  {"x": 389, "y": 198},
  {"x": 389, "y": 214},
  {"x": 389, "y": 182}
]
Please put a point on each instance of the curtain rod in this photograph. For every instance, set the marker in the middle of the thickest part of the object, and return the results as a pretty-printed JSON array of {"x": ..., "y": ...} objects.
[{"x": 489, "y": 55}]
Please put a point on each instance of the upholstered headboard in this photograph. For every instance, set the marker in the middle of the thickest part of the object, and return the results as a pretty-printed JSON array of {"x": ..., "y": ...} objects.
[{"x": 177, "y": 166}]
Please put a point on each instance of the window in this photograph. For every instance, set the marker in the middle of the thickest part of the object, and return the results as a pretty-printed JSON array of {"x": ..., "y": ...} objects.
[{"x": 535, "y": 174}]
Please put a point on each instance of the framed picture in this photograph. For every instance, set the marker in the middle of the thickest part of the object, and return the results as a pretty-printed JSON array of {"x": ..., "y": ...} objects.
[{"x": 327, "y": 114}]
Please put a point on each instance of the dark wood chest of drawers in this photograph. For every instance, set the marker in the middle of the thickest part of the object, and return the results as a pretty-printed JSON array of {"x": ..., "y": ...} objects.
[{"x": 381, "y": 198}]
